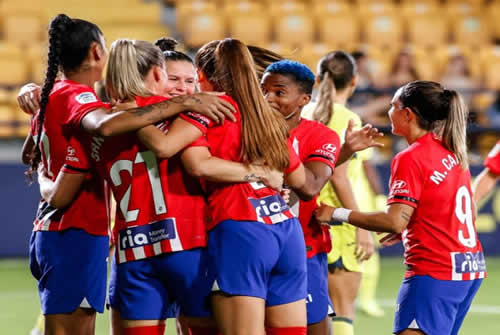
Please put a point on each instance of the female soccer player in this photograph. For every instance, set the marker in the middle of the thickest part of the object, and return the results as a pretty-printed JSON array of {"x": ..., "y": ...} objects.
[
  {"x": 350, "y": 245},
  {"x": 287, "y": 86},
  {"x": 430, "y": 204},
  {"x": 255, "y": 243},
  {"x": 488, "y": 178},
  {"x": 180, "y": 69}
]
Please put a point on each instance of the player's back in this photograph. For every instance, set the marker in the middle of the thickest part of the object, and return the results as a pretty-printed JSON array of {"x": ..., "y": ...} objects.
[
  {"x": 240, "y": 201},
  {"x": 440, "y": 239},
  {"x": 68, "y": 97},
  {"x": 159, "y": 208}
]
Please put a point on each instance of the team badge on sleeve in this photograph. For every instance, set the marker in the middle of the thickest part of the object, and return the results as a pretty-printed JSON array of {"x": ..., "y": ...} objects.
[{"x": 86, "y": 98}]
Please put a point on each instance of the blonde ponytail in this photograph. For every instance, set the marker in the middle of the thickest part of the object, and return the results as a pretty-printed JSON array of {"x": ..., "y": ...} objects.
[
  {"x": 128, "y": 65},
  {"x": 323, "y": 111}
]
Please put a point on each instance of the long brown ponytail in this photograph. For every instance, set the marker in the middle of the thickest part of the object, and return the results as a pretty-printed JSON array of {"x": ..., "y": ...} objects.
[{"x": 228, "y": 65}]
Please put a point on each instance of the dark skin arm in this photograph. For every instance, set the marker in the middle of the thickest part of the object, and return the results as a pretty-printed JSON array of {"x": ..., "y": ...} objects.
[
  {"x": 28, "y": 146},
  {"x": 61, "y": 192},
  {"x": 317, "y": 174}
]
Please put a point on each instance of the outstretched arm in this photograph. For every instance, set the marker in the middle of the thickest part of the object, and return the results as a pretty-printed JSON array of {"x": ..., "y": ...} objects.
[
  {"x": 106, "y": 123},
  {"x": 483, "y": 184},
  {"x": 357, "y": 140}
]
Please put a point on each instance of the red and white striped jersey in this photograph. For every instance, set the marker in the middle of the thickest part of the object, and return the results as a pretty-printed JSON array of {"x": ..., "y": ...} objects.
[{"x": 160, "y": 208}]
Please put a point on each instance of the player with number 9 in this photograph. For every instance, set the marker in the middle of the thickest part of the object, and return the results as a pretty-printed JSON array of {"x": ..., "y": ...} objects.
[{"x": 430, "y": 205}]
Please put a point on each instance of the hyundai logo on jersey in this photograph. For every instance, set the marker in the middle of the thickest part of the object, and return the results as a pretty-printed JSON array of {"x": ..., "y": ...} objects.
[{"x": 138, "y": 236}]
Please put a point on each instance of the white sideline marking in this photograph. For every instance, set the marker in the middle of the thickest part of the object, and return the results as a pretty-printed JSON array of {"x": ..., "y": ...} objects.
[{"x": 481, "y": 309}]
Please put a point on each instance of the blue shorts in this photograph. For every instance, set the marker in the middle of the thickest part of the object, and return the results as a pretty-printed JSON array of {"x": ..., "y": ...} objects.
[
  {"x": 159, "y": 287},
  {"x": 259, "y": 260},
  {"x": 70, "y": 267},
  {"x": 433, "y": 306},
  {"x": 318, "y": 301}
]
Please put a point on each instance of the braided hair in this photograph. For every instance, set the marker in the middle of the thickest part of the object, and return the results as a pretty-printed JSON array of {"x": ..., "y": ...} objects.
[{"x": 69, "y": 44}]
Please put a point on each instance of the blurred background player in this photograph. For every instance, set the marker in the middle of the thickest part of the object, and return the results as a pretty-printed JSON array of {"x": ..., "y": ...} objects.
[
  {"x": 443, "y": 255},
  {"x": 487, "y": 179},
  {"x": 350, "y": 245}
]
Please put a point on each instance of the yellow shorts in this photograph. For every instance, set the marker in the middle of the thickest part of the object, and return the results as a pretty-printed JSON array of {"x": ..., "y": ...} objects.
[{"x": 343, "y": 247}]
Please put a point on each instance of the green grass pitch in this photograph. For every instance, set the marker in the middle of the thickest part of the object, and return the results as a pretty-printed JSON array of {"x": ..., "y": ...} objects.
[{"x": 19, "y": 304}]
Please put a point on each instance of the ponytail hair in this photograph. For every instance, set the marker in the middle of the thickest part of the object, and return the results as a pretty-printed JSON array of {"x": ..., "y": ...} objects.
[
  {"x": 336, "y": 70},
  {"x": 229, "y": 66},
  {"x": 69, "y": 43},
  {"x": 167, "y": 45},
  {"x": 439, "y": 110},
  {"x": 262, "y": 58},
  {"x": 129, "y": 63}
]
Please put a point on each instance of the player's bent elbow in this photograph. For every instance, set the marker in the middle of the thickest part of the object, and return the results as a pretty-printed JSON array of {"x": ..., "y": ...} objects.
[
  {"x": 103, "y": 129},
  {"x": 195, "y": 170},
  {"x": 58, "y": 202}
]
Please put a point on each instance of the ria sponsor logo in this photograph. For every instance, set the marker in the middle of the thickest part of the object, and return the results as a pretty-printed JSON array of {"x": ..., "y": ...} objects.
[
  {"x": 269, "y": 205},
  {"x": 138, "y": 236},
  {"x": 469, "y": 262}
]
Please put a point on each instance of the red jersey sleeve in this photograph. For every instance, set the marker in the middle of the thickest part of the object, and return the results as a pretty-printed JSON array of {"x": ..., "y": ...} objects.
[
  {"x": 202, "y": 141},
  {"x": 294, "y": 158},
  {"x": 405, "y": 185},
  {"x": 492, "y": 162},
  {"x": 76, "y": 160},
  {"x": 324, "y": 147},
  {"x": 199, "y": 121},
  {"x": 80, "y": 103}
]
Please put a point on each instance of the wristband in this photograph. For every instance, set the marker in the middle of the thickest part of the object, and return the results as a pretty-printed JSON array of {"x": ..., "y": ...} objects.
[{"x": 341, "y": 214}]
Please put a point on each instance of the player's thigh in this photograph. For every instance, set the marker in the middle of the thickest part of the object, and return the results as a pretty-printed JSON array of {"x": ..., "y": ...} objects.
[
  {"x": 411, "y": 332},
  {"x": 287, "y": 315},
  {"x": 343, "y": 287},
  {"x": 239, "y": 315},
  {"x": 80, "y": 322},
  {"x": 320, "y": 328}
]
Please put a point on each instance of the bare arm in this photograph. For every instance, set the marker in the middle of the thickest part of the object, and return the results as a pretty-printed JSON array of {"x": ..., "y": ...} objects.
[
  {"x": 394, "y": 220},
  {"x": 165, "y": 145},
  {"x": 373, "y": 177},
  {"x": 104, "y": 123},
  {"x": 365, "y": 245},
  {"x": 201, "y": 164},
  {"x": 61, "y": 192},
  {"x": 483, "y": 184},
  {"x": 343, "y": 188},
  {"x": 297, "y": 178},
  {"x": 28, "y": 146},
  {"x": 316, "y": 175}
]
